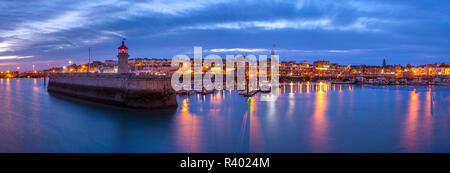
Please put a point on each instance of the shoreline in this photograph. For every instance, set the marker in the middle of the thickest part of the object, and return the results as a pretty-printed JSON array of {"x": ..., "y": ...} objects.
[{"x": 325, "y": 81}]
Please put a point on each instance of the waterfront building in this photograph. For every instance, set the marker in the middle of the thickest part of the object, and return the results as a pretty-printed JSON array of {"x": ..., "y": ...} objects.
[
  {"x": 304, "y": 64},
  {"x": 9, "y": 74},
  {"x": 321, "y": 67},
  {"x": 110, "y": 62},
  {"x": 321, "y": 64}
]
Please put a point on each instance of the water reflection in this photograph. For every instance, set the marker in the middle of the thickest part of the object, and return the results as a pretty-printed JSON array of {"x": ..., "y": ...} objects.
[
  {"x": 307, "y": 87},
  {"x": 410, "y": 133},
  {"x": 418, "y": 125},
  {"x": 214, "y": 113},
  {"x": 306, "y": 117},
  {"x": 427, "y": 121},
  {"x": 7, "y": 118},
  {"x": 319, "y": 124},
  {"x": 189, "y": 131},
  {"x": 35, "y": 106},
  {"x": 256, "y": 136}
]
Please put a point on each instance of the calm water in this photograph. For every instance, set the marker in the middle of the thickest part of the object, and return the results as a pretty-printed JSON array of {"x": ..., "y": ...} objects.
[{"x": 304, "y": 118}]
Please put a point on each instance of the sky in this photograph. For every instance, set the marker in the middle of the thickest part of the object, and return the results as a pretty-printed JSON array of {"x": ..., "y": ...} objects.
[{"x": 51, "y": 33}]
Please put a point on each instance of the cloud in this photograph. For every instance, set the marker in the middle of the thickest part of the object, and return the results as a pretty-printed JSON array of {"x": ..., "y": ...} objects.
[
  {"x": 14, "y": 57},
  {"x": 239, "y": 50},
  {"x": 5, "y": 46},
  {"x": 338, "y": 51},
  {"x": 267, "y": 25},
  {"x": 169, "y": 7},
  {"x": 361, "y": 24},
  {"x": 86, "y": 14},
  {"x": 314, "y": 51}
]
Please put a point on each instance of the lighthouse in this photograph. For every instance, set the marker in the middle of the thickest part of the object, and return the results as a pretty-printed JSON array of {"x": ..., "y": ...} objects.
[{"x": 123, "y": 58}]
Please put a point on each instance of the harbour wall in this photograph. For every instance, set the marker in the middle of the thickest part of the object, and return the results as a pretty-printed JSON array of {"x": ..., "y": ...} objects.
[{"x": 126, "y": 90}]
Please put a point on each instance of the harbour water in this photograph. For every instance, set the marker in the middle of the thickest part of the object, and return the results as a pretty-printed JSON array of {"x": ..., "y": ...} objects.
[{"x": 306, "y": 117}]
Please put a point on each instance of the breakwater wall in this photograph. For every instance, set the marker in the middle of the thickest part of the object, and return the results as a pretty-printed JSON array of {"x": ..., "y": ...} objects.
[{"x": 127, "y": 90}]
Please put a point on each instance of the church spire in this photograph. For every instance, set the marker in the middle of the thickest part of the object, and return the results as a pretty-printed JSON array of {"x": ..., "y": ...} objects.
[{"x": 272, "y": 52}]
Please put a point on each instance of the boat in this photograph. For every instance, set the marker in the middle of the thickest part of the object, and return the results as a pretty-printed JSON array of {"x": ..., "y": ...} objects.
[
  {"x": 205, "y": 92},
  {"x": 360, "y": 80},
  {"x": 403, "y": 81},
  {"x": 342, "y": 82},
  {"x": 345, "y": 81},
  {"x": 185, "y": 92},
  {"x": 445, "y": 82},
  {"x": 381, "y": 81},
  {"x": 393, "y": 81},
  {"x": 265, "y": 91},
  {"x": 417, "y": 82},
  {"x": 248, "y": 94}
]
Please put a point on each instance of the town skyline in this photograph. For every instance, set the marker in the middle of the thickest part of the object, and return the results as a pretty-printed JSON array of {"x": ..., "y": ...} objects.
[
  {"x": 24, "y": 67},
  {"x": 31, "y": 66}
]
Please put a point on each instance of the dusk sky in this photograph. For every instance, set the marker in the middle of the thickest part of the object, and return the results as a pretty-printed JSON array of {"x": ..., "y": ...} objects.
[{"x": 50, "y": 33}]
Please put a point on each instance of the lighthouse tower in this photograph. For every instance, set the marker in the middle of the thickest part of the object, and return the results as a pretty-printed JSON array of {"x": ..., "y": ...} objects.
[{"x": 123, "y": 58}]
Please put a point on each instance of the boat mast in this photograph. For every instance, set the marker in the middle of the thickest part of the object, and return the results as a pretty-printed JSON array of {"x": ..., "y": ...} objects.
[{"x": 89, "y": 61}]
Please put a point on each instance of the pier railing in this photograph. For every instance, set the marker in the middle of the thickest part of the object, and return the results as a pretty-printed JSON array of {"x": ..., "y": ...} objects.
[
  {"x": 154, "y": 83},
  {"x": 110, "y": 75}
]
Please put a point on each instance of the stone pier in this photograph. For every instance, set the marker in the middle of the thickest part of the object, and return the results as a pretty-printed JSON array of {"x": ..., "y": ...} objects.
[{"x": 126, "y": 90}]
